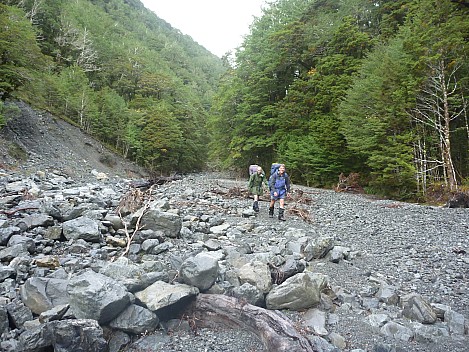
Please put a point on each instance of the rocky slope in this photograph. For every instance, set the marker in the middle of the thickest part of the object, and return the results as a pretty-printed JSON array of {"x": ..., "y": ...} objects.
[
  {"x": 34, "y": 140},
  {"x": 386, "y": 276}
]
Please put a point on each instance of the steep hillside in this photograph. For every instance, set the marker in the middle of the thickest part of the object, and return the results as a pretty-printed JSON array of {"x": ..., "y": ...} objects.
[
  {"x": 34, "y": 140},
  {"x": 116, "y": 70}
]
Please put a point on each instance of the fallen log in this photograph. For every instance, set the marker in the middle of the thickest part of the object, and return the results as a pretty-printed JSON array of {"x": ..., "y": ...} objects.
[{"x": 274, "y": 329}]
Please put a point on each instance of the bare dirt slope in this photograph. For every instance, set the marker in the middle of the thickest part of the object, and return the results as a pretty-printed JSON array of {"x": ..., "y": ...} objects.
[{"x": 35, "y": 140}]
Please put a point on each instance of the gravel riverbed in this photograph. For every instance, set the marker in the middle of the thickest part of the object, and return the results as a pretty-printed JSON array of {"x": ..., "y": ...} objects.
[{"x": 413, "y": 248}]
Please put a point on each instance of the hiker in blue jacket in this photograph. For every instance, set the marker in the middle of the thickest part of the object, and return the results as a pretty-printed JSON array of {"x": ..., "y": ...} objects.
[
  {"x": 256, "y": 182},
  {"x": 279, "y": 185}
]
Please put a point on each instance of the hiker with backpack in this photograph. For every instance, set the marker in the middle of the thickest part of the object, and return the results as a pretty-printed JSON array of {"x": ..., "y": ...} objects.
[
  {"x": 279, "y": 185},
  {"x": 256, "y": 181}
]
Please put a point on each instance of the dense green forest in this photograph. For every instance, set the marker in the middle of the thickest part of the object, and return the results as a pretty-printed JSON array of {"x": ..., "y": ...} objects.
[
  {"x": 378, "y": 88},
  {"x": 374, "y": 87},
  {"x": 117, "y": 71}
]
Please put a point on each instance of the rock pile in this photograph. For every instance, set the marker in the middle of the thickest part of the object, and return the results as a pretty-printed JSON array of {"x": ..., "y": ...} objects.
[{"x": 103, "y": 266}]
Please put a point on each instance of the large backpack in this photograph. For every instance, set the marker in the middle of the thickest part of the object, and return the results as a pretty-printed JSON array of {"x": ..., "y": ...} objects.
[
  {"x": 273, "y": 170},
  {"x": 252, "y": 169}
]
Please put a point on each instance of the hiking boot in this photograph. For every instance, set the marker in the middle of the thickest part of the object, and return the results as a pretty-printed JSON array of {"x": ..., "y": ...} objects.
[
  {"x": 271, "y": 212},
  {"x": 281, "y": 213},
  {"x": 255, "y": 206}
]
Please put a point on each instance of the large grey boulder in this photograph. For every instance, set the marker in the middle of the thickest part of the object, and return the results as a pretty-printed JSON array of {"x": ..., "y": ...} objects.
[
  {"x": 135, "y": 320},
  {"x": 134, "y": 277},
  {"x": 161, "y": 294},
  {"x": 397, "y": 331},
  {"x": 6, "y": 272},
  {"x": 14, "y": 251},
  {"x": 316, "y": 248},
  {"x": 18, "y": 313},
  {"x": 35, "y": 220},
  {"x": 249, "y": 294},
  {"x": 28, "y": 243},
  {"x": 168, "y": 223},
  {"x": 387, "y": 294},
  {"x": 6, "y": 233},
  {"x": 82, "y": 228},
  {"x": 429, "y": 333},
  {"x": 257, "y": 274},
  {"x": 96, "y": 296},
  {"x": 200, "y": 271},
  {"x": 299, "y": 292},
  {"x": 457, "y": 323},
  {"x": 64, "y": 336},
  {"x": 416, "y": 308},
  {"x": 41, "y": 294}
]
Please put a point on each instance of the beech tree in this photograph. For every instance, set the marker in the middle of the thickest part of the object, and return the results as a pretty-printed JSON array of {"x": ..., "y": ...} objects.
[
  {"x": 19, "y": 53},
  {"x": 375, "y": 122}
]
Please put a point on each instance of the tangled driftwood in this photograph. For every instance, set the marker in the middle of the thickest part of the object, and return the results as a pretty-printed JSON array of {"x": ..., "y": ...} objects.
[
  {"x": 132, "y": 201},
  {"x": 301, "y": 213},
  {"x": 154, "y": 180},
  {"x": 350, "y": 183}
]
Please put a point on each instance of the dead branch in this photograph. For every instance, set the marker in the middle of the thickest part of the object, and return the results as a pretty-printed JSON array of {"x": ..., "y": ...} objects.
[
  {"x": 274, "y": 329},
  {"x": 350, "y": 183},
  {"x": 299, "y": 197},
  {"x": 9, "y": 213},
  {"x": 276, "y": 274},
  {"x": 134, "y": 202},
  {"x": 301, "y": 213},
  {"x": 155, "y": 181}
]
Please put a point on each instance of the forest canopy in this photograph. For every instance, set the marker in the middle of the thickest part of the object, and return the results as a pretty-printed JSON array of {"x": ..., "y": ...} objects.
[{"x": 375, "y": 88}]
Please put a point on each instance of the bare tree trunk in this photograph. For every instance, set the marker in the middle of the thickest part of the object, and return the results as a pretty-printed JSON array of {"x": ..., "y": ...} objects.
[
  {"x": 448, "y": 162},
  {"x": 81, "y": 112},
  {"x": 274, "y": 329},
  {"x": 437, "y": 108}
]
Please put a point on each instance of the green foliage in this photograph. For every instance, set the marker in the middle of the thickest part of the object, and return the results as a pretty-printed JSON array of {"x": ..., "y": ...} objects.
[
  {"x": 374, "y": 118},
  {"x": 160, "y": 137},
  {"x": 330, "y": 86},
  {"x": 100, "y": 59},
  {"x": 2, "y": 114},
  {"x": 7, "y": 111},
  {"x": 19, "y": 52}
]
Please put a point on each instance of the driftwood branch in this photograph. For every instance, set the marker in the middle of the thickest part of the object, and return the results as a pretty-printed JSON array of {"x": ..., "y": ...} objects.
[
  {"x": 135, "y": 199},
  {"x": 129, "y": 237},
  {"x": 155, "y": 181},
  {"x": 9, "y": 213},
  {"x": 275, "y": 330},
  {"x": 301, "y": 213}
]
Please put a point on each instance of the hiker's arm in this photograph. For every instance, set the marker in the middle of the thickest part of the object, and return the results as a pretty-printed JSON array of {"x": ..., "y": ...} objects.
[
  {"x": 287, "y": 183},
  {"x": 272, "y": 181}
]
